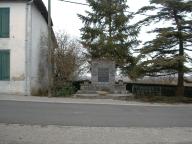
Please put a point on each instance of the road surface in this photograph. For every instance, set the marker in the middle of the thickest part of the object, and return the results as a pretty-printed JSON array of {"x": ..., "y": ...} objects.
[{"x": 94, "y": 115}]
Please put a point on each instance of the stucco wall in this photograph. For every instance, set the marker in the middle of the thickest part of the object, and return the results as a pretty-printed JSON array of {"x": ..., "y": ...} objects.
[
  {"x": 28, "y": 49},
  {"x": 16, "y": 44},
  {"x": 39, "y": 76}
]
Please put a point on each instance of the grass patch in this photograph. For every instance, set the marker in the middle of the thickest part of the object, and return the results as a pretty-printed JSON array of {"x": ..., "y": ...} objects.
[{"x": 163, "y": 99}]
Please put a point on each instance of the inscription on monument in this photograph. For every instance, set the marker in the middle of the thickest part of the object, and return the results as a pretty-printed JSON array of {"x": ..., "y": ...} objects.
[{"x": 103, "y": 74}]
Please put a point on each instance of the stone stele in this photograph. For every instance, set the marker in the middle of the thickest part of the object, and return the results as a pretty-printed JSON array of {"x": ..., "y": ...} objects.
[{"x": 103, "y": 79}]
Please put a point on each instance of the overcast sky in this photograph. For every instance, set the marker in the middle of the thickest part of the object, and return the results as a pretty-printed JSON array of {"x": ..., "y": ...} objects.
[{"x": 65, "y": 18}]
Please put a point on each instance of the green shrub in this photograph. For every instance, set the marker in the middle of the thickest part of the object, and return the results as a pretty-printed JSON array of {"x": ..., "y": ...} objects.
[{"x": 64, "y": 90}]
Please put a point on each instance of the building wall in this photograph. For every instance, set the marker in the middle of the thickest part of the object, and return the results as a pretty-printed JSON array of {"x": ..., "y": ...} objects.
[
  {"x": 16, "y": 44},
  {"x": 39, "y": 67}
]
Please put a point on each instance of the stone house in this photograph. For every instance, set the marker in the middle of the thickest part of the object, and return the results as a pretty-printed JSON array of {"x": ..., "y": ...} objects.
[{"x": 23, "y": 46}]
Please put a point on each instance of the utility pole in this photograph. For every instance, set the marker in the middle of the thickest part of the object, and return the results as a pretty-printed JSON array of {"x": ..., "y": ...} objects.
[{"x": 50, "y": 75}]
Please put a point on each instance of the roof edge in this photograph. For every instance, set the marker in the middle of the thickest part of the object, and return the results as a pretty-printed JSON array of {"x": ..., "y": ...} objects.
[{"x": 38, "y": 4}]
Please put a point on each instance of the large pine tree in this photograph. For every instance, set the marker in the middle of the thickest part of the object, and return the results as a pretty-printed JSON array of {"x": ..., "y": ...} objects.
[
  {"x": 169, "y": 52},
  {"x": 106, "y": 33}
]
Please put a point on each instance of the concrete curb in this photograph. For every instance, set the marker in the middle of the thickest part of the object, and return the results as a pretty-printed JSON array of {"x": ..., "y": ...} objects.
[{"x": 80, "y": 101}]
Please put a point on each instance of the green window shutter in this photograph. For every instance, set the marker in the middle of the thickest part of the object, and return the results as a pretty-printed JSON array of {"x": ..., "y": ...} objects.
[
  {"x": 4, "y": 22},
  {"x": 1, "y": 22},
  {"x": 4, "y": 65}
]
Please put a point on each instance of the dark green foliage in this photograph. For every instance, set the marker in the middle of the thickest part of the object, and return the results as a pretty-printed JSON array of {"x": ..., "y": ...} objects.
[
  {"x": 168, "y": 52},
  {"x": 106, "y": 33},
  {"x": 162, "y": 99},
  {"x": 65, "y": 90}
]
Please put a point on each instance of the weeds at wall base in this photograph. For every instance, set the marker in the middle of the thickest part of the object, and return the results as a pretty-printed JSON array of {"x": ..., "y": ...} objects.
[{"x": 163, "y": 99}]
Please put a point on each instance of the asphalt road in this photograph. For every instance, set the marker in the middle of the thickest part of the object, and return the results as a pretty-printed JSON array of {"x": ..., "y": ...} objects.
[{"x": 93, "y": 115}]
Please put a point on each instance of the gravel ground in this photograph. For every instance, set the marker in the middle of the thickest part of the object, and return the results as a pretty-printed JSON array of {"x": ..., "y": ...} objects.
[{"x": 26, "y": 134}]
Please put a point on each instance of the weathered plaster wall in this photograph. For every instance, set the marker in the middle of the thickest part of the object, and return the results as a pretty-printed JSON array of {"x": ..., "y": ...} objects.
[
  {"x": 39, "y": 68},
  {"x": 16, "y": 44}
]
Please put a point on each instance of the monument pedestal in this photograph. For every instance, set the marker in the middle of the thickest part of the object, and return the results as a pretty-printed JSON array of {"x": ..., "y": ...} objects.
[
  {"x": 111, "y": 89},
  {"x": 103, "y": 80}
]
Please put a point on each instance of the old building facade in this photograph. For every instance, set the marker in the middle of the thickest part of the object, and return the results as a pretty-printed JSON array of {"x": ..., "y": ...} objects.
[{"x": 23, "y": 46}]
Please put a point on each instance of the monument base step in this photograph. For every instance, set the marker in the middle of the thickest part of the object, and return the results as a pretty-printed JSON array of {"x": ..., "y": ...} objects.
[
  {"x": 104, "y": 96},
  {"x": 102, "y": 92},
  {"x": 86, "y": 92}
]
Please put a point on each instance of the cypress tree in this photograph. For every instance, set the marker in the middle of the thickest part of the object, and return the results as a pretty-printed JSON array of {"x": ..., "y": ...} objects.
[
  {"x": 168, "y": 53},
  {"x": 106, "y": 33}
]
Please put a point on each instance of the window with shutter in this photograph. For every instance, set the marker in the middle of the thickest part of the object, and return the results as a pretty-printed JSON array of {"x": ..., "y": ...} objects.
[
  {"x": 4, "y": 65},
  {"x": 4, "y": 22}
]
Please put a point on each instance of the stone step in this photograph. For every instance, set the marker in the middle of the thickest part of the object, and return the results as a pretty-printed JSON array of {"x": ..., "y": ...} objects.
[
  {"x": 107, "y": 96},
  {"x": 86, "y": 92}
]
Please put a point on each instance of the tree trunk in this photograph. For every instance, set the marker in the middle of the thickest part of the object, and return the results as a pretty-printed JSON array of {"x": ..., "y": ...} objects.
[{"x": 180, "y": 83}]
